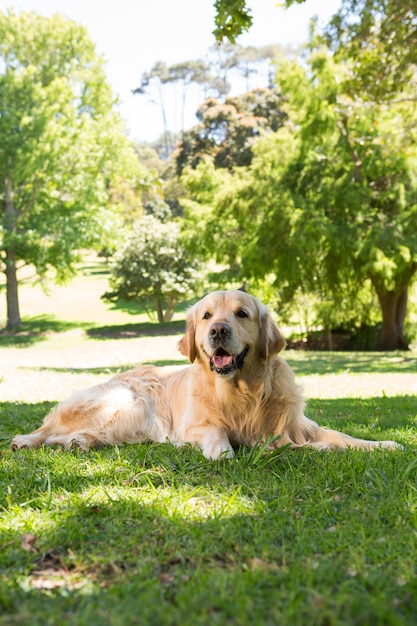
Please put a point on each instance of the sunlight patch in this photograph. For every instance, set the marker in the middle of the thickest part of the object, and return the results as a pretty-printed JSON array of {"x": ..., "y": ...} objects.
[
  {"x": 195, "y": 504},
  {"x": 51, "y": 579}
]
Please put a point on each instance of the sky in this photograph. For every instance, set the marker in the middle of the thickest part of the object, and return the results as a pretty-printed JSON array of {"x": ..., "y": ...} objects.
[{"x": 132, "y": 35}]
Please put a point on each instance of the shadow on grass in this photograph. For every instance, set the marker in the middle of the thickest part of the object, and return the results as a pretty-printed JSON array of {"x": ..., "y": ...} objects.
[
  {"x": 365, "y": 417},
  {"x": 36, "y": 329},
  {"x": 305, "y": 363},
  {"x": 96, "y": 269},
  {"x": 184, "y": 571},
  {"x": 131, "y": 307},
  {"x": 21, "y": 417},
  {"x": 130, "y": 331},
  {"x": 135, "y": 307}
]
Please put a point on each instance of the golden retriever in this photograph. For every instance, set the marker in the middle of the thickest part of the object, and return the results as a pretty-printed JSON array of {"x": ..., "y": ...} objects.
[{"x": 237, "y": 391}]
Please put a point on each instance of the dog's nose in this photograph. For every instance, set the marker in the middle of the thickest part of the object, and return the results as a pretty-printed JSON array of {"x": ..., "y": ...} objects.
[{"x": 220, "y": 330}]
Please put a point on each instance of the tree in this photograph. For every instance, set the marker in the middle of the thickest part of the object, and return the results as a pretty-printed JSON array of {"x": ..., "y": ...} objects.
[
  {"x": 61, "y": 145},
  {"x": 207, "y": 78},
  {"x": 230, "y": 63},
  {"x": 228, "y": 131},
  {"x": 330, "y": 201},
  {"x": 211, "y": 204},
  {"x": 154, "y": 268},
  {"x": 162, "y": 76},
  {"x": 355, "y": 170},
  {"x": 355, "y": 154}
]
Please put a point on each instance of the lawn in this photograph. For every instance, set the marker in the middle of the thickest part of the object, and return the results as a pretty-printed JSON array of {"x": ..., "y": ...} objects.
[{"x": 154, "y": 535}]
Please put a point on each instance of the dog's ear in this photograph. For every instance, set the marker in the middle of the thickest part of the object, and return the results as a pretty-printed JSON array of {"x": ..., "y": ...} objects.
[
  {"x": 271, "y": 340},
  {"x": 186, "y": 344}
]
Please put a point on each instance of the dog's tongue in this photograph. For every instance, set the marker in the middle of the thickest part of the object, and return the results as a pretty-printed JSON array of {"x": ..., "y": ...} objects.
[{"x": 222, "y": 361}]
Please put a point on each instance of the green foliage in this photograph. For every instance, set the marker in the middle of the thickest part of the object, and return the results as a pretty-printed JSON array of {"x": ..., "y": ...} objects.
[
  {"x": 356, "y": 167},
  {"x": 61, "y": 145},
  {"x": 232, "y": 18},
  {"x": 351, "y": 174},
  {"x": 155, "y": 267},
  {"x": 378, "y": 36},
  {"x": 213, "y": 215},
  {"x": 380, "y": 40}
]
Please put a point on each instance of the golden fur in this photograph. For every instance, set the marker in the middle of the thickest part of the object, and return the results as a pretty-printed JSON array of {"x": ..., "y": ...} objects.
[{"x": 237, "y": 391}]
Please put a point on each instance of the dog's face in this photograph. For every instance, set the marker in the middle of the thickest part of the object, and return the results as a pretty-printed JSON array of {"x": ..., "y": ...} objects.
[{"x": 229, "y": 332}]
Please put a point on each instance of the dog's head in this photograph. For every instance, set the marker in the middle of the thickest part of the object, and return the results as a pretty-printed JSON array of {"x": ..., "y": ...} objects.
[{"x": 230, "y": 331}]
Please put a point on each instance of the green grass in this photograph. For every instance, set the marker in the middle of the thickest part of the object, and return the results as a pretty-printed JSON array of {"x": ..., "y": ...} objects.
[
  {"x": 168, "y": 537},
  {"x": 154, "y": 535}
]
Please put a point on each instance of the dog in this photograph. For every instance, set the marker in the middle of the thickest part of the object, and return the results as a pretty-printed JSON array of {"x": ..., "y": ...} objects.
[{"x": 237, "y": 391}]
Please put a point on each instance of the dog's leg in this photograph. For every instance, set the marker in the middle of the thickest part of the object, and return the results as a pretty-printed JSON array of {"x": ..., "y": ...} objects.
[
  {"x": 324, "y": 438},
  {"x": 108, "y": 413},
  {"x": 212, "y": 440},
  {"x": 215, "y": 444},
  {"x": 33, "y": 440},
  {"x": 84, "y": 441},
  {"x": 306, "y": 432},
  {"x": 52, "y": 432}
]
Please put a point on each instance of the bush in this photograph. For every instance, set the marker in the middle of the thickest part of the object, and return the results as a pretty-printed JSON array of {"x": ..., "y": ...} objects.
[{"x": 155, "y": 267}]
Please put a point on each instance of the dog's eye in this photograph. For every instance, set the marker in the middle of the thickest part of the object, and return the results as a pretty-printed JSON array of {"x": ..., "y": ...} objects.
[
  {"x": 206, "y": 315},
  {"x": 242, "y": 313}
]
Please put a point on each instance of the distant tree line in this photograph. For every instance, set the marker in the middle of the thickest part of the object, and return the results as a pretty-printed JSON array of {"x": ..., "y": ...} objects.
[
  {"x": 212, "y": 77},
  {"x": 303, "y": 186}
]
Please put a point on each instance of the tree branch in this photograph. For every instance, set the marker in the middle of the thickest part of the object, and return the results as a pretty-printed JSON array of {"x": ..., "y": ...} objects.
[{"x": 343, "y": 127}]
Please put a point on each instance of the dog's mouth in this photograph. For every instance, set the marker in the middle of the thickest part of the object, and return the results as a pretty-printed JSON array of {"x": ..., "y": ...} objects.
[{"x": 224, "y": 363}]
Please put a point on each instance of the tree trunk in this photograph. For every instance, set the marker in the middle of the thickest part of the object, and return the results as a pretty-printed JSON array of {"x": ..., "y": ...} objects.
[
  {"x": 394, "y": 308},
  {"x": 329, "y": 339},
  {"x": 167, "y": 143},
  {"x": 159, "y": 310},
  {"x": 170, "y": 310},
  {"x": 12, "y": 298}
]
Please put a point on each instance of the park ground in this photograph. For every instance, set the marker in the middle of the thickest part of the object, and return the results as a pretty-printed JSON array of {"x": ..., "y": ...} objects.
[{"x": 151, "y": 534}]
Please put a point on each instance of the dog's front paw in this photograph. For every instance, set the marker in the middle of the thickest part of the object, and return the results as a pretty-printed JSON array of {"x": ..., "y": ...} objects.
[
  {"x": 218, "y": 451},
  {"x": 22, "y": 441}
]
